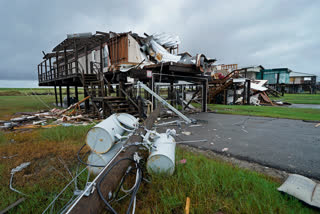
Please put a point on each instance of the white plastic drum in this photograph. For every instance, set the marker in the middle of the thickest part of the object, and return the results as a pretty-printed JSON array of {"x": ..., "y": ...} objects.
[
  {"x": 162, "y": 159},
  {"x": 101, "y": 137},
  {"x": 102, "y": 159}
]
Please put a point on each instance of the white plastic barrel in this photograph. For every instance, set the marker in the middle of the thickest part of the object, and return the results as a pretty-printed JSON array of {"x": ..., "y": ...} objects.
[
  {"x": 101, "y": 137},
  {"x": 102, "y": 159},
  {"x": 162, "y": 158}
]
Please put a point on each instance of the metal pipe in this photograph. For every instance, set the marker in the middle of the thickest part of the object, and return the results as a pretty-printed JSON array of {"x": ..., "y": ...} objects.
[{"x": 164, "y": 102}]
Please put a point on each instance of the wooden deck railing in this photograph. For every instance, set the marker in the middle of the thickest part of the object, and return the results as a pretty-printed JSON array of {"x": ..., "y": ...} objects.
[{"x": 47, "y": 72}]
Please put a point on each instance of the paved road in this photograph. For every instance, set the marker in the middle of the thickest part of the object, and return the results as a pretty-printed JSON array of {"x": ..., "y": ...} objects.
[{"x": 291, "y": 145}]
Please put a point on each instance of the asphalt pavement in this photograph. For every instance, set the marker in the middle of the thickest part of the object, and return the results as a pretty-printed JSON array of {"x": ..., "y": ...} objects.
[{"x": 290, "y": 145}]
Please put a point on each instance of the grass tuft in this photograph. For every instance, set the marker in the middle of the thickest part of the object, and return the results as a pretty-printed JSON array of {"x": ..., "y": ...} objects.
[{"x": 61, "y": 133}]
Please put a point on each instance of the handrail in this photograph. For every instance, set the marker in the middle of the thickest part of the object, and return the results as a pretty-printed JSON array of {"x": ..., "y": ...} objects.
[{"x": 124, "y": 92}]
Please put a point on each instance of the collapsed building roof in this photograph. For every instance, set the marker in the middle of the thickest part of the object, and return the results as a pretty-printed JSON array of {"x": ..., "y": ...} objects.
[{"x": 157, "y": 48}]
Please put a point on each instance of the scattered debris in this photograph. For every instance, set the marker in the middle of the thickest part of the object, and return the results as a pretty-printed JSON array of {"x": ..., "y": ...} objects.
[
  {"x": 9, "y": 157},
  {"x": 13, "y": 171},
  {"x": 191, "y": 141},
  {"x": 225, "y": 149},
  {"x": 302, "y": 188},
  {"x": 317, "y": 125},
  {"x": 186, "y": 133}
]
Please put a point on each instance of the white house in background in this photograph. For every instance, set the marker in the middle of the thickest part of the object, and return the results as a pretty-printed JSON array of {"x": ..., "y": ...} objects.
[
  {"x": 301, "y": 78},
  {"x": 301, "y": 82},
  {"x": 251, "y": 72}
]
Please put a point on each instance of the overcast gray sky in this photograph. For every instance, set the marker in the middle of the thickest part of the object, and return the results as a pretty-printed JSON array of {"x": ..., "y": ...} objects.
[{"x": 273, "y": 33}]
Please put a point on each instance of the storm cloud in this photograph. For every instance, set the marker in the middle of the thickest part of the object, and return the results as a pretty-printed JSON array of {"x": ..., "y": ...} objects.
[{"x": 252, "y": 32}]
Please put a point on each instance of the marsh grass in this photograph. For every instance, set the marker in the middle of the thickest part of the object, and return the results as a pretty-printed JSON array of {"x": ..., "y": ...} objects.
[
  {"x": 61, "y": 133},
  {"x": 213, "y": 186}
]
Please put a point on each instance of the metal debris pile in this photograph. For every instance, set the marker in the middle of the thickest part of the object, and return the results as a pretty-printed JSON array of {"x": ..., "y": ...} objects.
[{"x": 158, "y": 48}]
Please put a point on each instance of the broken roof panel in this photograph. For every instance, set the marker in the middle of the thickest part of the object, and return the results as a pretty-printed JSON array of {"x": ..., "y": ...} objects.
[{"x": 166, "y": 40}]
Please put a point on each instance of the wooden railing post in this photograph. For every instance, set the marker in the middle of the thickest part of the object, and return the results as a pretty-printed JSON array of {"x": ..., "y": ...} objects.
[
  {"x": 65, "y": 61},
  {"x": 57, "y": 63},
  {"x": 45, "y": 69},
  {"x": 50, "y": 66}
]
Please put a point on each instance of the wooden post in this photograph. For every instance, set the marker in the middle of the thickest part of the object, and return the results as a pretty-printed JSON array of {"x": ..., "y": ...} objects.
[
  {"x": 55, "y": 93},
  {"x": 204, "y": 96},
  {"x": 65, "y": 61},
  {"x": 244, "y": 93},
  {"x": 41, "y": 71},
  {"x": 86, "y": 104},
  {"x": 60, "y": 92},
  {"x": 57, "y": 63},
  {"x": 39, "y": 77},
  {"x": 76, "y": 93},
  {"x": 93, "y": 203},
  {"x": 50, "y": 66},
  {"x": 248, "y": 91},
  {"x": 225, "y": 96},
  {"x": 76, "y": 58},
  {"x": 278, "y": 78},
  {"x": 86, "y": 58},
  {"x": 101, "y": 57},
  {"x": 68, "y": 96},
  {"x": 46, "y": 69},
  {"x": 117, "y": 90},
  {"x": 234, "y": 93}
]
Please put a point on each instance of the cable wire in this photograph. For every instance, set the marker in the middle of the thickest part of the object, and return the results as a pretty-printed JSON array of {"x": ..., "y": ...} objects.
[{"x": 134, "y": 191}]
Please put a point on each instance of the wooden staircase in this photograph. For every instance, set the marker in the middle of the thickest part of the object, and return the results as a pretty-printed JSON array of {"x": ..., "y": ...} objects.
[
  {"x": 218, "y": 86},
  {"x": 116, "y": 105},
  {"x": 94, "y": 85}
]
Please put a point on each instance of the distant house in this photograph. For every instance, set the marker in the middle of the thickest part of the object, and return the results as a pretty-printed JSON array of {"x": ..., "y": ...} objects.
[
  {"x": 275, "y": 76},
  {"x": 251, "y": 71},
  {"x": 301, "y": 82},
  {"x": 302, "y": 78}
]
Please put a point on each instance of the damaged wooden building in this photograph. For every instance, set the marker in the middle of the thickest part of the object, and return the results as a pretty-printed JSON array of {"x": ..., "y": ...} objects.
[{"x": 108, "y": 65}]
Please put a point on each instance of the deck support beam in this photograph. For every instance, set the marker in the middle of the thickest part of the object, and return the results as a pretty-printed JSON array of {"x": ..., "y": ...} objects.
[
  {"x": 248, "y": 91},
  {"x": 55, "y": 94},
  {"x": 60, "y": 92},
  {"x": 76, "y": 93},
  {"x": 68, "y": 96},
  {"x": 204, "y": 96}
]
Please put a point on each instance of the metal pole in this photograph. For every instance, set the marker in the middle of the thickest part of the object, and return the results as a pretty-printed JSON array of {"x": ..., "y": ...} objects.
[{"x": 164, "y": 102}]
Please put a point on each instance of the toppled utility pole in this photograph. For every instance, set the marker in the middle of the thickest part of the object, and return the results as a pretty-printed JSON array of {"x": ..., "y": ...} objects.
[{"x": 93, "y": 203}]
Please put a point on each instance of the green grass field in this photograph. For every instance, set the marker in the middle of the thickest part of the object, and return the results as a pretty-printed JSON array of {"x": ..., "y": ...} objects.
[
  {"x": 299, "y": 98},
  {"x": 12, "y": 104},
  {"x": 29, "y": 91},
  {"x": 268, "y": 111}
]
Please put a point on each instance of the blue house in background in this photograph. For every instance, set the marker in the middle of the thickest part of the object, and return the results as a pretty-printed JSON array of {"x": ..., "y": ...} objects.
[{"x": 275, "y": 75}]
